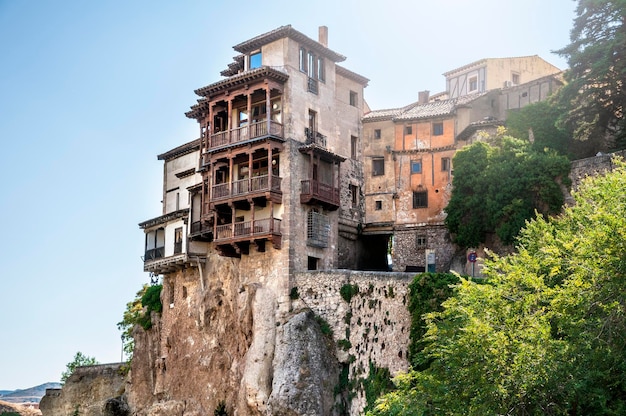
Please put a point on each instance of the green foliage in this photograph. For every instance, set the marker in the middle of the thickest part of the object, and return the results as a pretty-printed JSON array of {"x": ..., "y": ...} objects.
[
  {"x": 595, "y": 92},
  {"x": 79, "y": 360},
  {"x": 324, "y": 326},
  {"x": 498, "y": 187},
  {"x": 427, "y": 292},
  {"x": 541, "y": 117},
  {"x": 348, "y": 291},
  {"x": 293, "y": 293},
  {"x": 220, "y": 409},
  {"x": 377, "y": 383},
  {"x": 344, "y": 344},
  {"x": 138, "y": 312},
  {"x": 9, "y": 414},
  {"x": 545, "y": 333}
]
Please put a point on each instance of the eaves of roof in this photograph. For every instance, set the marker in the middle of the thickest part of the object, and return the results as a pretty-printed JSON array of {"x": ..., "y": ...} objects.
[
  {"x": 346, "y": 73},
  {"x": 436, "y": 108},
  {"x": 248, "y": 76},
  {"x": 287, "y": 31},
  {"x": 180, "y": 150}
]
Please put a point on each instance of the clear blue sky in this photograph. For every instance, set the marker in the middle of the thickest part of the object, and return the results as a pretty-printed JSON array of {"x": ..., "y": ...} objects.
[{"x": 91, "y": 92}]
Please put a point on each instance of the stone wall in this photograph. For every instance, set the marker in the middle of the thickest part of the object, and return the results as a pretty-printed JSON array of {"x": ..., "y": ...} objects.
[
  {"x": 373, "y": 327},
  {"x": 90, "y": 391},
  {"x": 592, "y": 166},
  {"x": 408, "y": 256}
]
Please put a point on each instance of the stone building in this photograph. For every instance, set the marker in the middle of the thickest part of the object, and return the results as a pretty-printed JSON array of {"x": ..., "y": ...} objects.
[
  {"x": 271, "y": 188},
  {"x": 408, "y": 152}
]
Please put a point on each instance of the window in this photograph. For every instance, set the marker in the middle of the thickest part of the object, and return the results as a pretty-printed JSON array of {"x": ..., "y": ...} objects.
[
  {"x": 255, "y": 60},
  {"x": 178, "y": 240},
  {"x": 318, "y": 229},
  {"x": 312, "y": 120},
  {"x": 437, "y": 129},
  {"x": 377, "y": 134},
  {"x": 378, "y": 205},
  {"x": 354, "y": 142},
  {"x": 354, "y": 195},
  {"x": 311, "y": 64},
  {"x": 354, "y": 99},
  {"x": 473, "y": 84},
  {"x": 321, "y": 71},
  {"x": 312, "y": 263},
  {"x": 445, "y": 164},
  {"x": 515, "y": 78},
  {"x": 378, "y": 166},
  {"x": 408, "y": 129},
  {"x": 421, "y": 241},
  {"x": 420, "y": 199},
  {"x": 302, "y": 60},
  {"x": 416, "y": 166}
]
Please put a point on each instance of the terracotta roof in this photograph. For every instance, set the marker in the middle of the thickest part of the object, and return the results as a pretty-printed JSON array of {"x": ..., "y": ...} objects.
[
  {"x": 287, "y": 31},
  {"x": 437, "y": 108},
  {"x": 234, "y": 67},
  {"x": 346, "y": 73},
  {"x": 386, "y": 114}
]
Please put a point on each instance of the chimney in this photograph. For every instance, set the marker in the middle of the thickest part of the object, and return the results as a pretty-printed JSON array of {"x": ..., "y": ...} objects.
[
  {"x": 423, "y": 97},
  {"x": 323, "y": 35}
]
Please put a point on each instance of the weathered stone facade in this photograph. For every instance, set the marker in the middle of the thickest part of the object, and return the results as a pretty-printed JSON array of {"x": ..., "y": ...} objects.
[{"x": 97, "y": 390}]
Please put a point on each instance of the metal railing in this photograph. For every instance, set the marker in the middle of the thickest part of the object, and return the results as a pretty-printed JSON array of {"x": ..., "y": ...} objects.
[
  {"x": 154, "y": 253},
  {"x": 312, "y": 85},
  {"x": 314, "y": 137}
]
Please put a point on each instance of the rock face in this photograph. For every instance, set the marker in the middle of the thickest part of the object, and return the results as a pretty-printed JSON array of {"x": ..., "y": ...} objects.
[
  {"x": 305, "y": 369},
  {"x": 89, "y": 391}
]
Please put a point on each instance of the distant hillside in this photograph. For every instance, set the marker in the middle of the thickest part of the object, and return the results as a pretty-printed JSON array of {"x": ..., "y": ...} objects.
[
  {"x": 11, "y": 408},
  {"x": 31, "y": 395}
]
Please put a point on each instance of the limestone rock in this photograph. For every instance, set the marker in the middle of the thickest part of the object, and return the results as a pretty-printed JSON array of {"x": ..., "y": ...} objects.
[{"x": 305, "y": 369}]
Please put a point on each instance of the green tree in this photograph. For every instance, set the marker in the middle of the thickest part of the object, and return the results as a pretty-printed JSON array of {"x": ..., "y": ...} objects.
[
  {"x": 546, "y": 333},
  {"x": 137, "y": 312},
  {"x": 541, "y": 118},
  {"x": 595, "y": 92},
  {"x": 497, "y": 187},
  {"x": 79, "y": 360}
]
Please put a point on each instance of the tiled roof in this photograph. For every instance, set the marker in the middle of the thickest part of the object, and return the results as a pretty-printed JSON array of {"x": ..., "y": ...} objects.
[
  {"x": 436, "y": 108},
  {"x": 287, "y": 31},
  {"x": 386, "y": 114}
]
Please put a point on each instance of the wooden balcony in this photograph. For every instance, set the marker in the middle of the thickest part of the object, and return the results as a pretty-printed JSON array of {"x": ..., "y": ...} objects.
[
  {"x": 245, "y": 133},
  {"x": 250, "y": 188},
  {"x": 234, "y": 239},
  {"x": 314, "y": 192}
]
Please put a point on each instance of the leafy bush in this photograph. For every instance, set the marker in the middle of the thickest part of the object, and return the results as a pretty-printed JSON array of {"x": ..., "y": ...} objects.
[
  {"x": 79, "y": 360},
  {"x": 348, "y": 291}
]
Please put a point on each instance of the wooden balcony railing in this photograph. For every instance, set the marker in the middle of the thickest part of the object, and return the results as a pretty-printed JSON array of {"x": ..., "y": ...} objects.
[
  {"x": 313, "y": 190},
  {"x": 247, "y": 230},
  {"x": 244, "y": 133},
  {"x": 246, "y": 186}
]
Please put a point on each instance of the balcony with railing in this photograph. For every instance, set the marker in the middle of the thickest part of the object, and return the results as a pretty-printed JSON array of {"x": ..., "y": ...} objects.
[
  {"x": 240, "y": 234},
  {"x": 251, "y": 187},
  {"x": 314, "y": 191},
  {"x": 314, "y": 137},
  {"x": 244, "y": 133}
]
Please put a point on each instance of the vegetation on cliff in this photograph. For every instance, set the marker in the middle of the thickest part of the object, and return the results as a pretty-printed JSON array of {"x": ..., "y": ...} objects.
[
  {"x": 79, "y": 360},
  {"x": 546, "y": 331},
  {"x": 498, "y": 186},
  {"x": 138, "y": 312}
]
